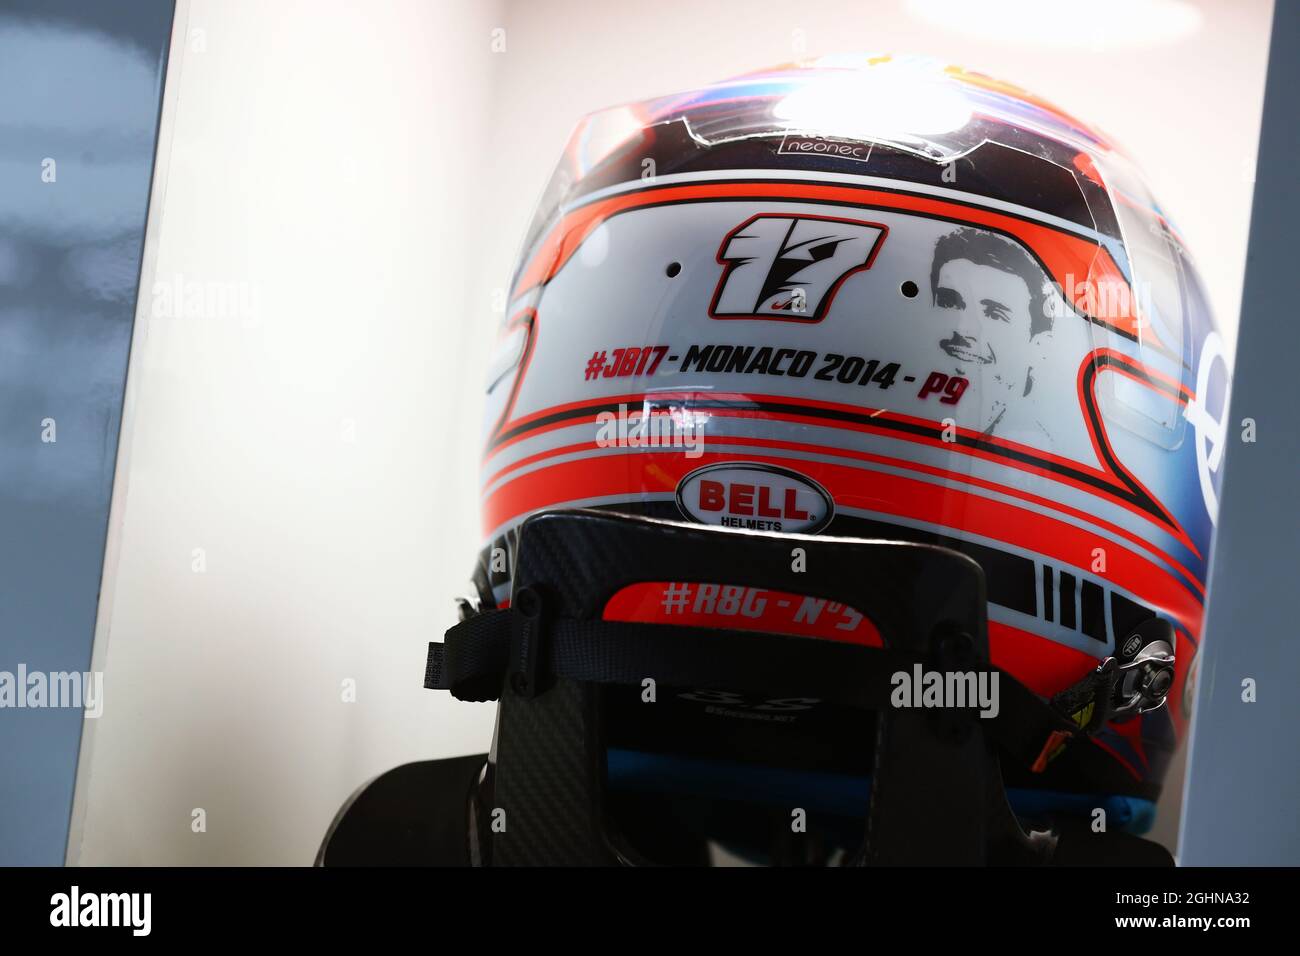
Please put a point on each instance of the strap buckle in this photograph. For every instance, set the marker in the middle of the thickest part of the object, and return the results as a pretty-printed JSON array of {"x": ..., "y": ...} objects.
[{"x": 1143, "y": 682}]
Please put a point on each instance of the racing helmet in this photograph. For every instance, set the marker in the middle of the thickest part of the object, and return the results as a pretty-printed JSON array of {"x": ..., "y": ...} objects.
[{"x": 868, "y": 298}]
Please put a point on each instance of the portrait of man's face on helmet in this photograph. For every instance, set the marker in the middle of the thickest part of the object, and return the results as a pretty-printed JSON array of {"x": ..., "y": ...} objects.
[{"x": 992, "y": 316}]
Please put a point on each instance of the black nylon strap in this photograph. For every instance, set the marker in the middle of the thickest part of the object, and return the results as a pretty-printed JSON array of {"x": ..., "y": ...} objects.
[
  {"x": 472, "y": 664},
  {"x": 1088, "y": 703},
  {"x": 474, "y": 661}
]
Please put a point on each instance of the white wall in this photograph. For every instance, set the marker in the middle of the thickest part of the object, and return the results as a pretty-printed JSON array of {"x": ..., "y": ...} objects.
[
  {"x": 322, "y": 162},
  {"x": 362, "y": 173}
]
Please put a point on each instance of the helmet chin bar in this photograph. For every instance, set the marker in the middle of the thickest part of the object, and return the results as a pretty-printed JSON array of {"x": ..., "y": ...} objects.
[{"x": 936, "y": 793}]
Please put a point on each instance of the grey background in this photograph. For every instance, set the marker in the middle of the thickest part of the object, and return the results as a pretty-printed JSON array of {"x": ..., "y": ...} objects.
[
  {"x": 80, "y": 83},
  {"x": 1243, "y": 788}
]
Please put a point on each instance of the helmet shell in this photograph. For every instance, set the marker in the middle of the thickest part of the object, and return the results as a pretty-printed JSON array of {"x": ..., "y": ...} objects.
[{"x": 879, "y": 297}]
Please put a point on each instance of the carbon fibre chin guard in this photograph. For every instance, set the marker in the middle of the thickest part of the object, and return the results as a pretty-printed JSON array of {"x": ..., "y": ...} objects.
[
  {"x": 561, "y": 672},
  {"x": 937, "y": 795}
]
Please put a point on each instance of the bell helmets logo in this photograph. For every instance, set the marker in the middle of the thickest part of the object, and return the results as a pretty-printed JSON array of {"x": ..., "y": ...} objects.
[
  {"x": 790, "y": 267},
  {"x": 755, "y": 497}
]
